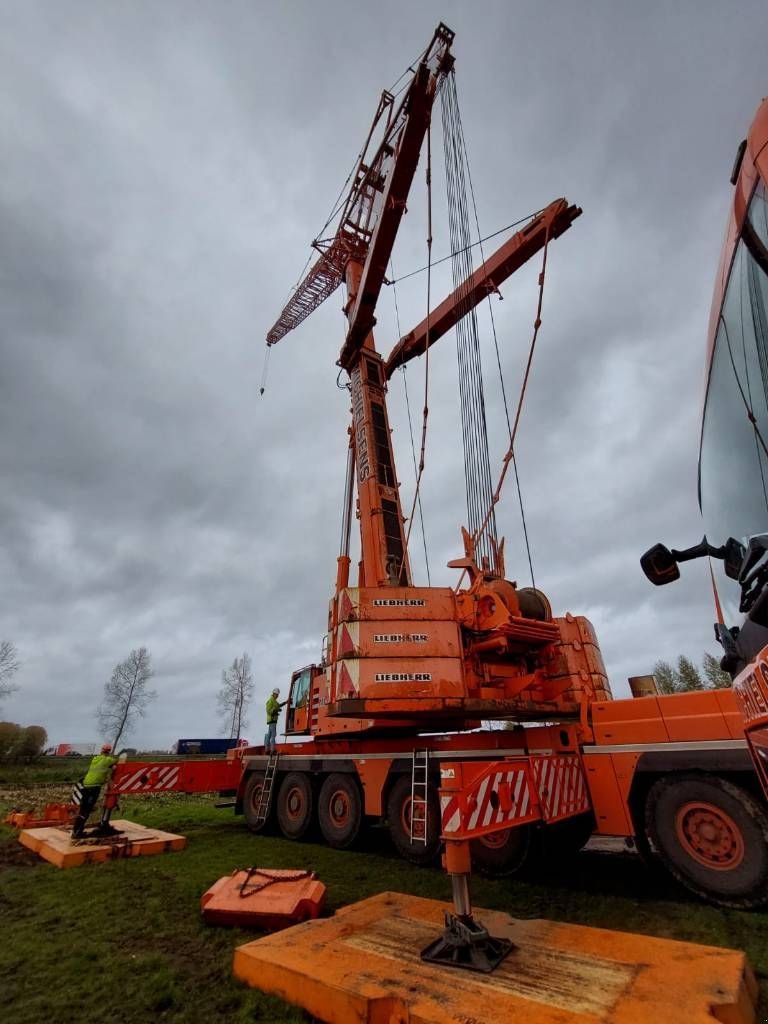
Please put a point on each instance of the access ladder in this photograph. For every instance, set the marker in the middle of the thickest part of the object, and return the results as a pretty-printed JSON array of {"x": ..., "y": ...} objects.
[
  {"x": 419, "y": 796},
  {"x": 265, "y": 796}
]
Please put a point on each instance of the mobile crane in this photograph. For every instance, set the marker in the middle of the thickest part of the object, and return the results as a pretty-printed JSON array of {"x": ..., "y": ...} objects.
[{"x": 387, "y": 726}]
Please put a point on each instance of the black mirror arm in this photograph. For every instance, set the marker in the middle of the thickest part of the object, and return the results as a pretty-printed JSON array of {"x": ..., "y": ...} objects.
[{"x": 698, "y": 551}]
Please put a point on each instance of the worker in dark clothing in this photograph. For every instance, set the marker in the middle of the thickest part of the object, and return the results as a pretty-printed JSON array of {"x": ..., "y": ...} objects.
[
  {"x": 98, "y": 773},
  {"x": 273, "y": 713}
]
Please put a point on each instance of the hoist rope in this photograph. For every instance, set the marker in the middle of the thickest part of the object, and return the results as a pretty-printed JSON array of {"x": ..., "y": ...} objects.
[
  {"x": 410, "y": 430},
  {"x": 425, "y": 411},
  {"x": 477, "y": 471},
  {"x": 496, "y": 348},
  {"x": 265, "y": 368}
]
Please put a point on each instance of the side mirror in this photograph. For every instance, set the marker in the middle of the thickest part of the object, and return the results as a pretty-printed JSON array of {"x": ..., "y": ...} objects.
[
  {"x": 734, "y": 554},
  {"x": 659, "y": 565}
]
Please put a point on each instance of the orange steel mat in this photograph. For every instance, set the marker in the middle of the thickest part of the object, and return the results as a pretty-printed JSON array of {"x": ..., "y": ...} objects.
[
  {"x": 57, "y": 846},
  {"x": 362, "y": 967}
]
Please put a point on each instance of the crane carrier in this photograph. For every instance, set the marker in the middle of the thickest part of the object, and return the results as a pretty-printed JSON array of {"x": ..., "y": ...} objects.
[{"x": 391, "y": 725}]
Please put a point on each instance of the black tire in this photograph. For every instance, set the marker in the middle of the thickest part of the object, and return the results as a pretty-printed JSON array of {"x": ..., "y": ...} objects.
[
  {"x": 712, "y": 836},
  {"x": 251, "y": 797},
  {"x": 398, "y": 815},
  {"x": 502, "y": 854},
  {"x": 564, "y": 839},
  {"x": 295, "y": 805},
  {"x": 340, "y": 810}
]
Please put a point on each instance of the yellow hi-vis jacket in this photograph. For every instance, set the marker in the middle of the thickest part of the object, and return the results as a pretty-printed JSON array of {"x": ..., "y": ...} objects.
[{"x": 99, "y": 770}]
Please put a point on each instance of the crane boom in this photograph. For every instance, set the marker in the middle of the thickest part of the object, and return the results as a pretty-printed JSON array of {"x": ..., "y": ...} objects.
[{"x": 509, "y": 257}]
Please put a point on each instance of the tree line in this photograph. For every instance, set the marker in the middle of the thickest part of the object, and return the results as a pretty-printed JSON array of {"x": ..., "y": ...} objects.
[
  {"x": 687, "y": 676},
  {"x": 126, "y": 698}
]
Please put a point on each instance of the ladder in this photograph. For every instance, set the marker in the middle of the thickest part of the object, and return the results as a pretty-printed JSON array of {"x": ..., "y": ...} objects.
[
  {"x": 265, "y": 797},
  {"x": 419, "y": 795}
]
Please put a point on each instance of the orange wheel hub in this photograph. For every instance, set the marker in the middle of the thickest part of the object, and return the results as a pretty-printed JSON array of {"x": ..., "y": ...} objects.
[
  {"x": 339, "y": 808},
  {"x": 710, "y": 836},
  {"x": 294, "y": 804}
]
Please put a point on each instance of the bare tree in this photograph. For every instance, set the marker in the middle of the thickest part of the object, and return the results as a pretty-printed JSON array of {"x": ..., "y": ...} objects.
[
  {"x": 235, "y": 695},
  {"x": 126, "y": 696},
  {"x": 9, "y": 665}
]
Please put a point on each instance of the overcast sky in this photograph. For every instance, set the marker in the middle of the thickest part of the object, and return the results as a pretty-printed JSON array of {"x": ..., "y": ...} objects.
[{"x": 163, "y": 168}]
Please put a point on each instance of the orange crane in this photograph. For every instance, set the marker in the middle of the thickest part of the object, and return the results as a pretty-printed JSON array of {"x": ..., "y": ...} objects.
[{"x": 386, "y": 727}]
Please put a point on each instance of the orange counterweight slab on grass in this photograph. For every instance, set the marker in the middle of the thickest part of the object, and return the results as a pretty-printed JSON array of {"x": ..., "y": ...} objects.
[
  {"x": 268, "y": 899},
  {"x": 363, "y": 967}
]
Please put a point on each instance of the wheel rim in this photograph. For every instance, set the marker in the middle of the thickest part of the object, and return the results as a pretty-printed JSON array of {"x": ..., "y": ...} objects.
[
  {"x": 495, "y": 840},
  {"x": 294, "y": 804},
  {"x": 339, "y": 808},
  {"x": 405, "y": 820},
  {"x": 710, "y": 836}
]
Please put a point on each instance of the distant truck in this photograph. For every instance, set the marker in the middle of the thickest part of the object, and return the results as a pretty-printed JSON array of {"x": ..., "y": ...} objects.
[
  {"x": 74, "y": 750},
  {"x": 214, "y": 746}
]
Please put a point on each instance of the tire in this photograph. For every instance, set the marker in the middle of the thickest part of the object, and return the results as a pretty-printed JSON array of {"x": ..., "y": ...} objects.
[
  {"x": 712, "y": 836},
  {"x": 502, "y": 854},
  {"x": 399, "y": 817},
  {"x": 340, "y": 810},
  {"x": 295, "y": 805},
  {"x": 564, "y": 839},
  {"x": 251, "y": 797}
]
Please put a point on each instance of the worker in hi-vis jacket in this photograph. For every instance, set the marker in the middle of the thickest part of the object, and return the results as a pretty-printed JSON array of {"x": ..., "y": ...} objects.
[
  {"x": 273, "y": 713},
  {"x": 98, "y": 773}
]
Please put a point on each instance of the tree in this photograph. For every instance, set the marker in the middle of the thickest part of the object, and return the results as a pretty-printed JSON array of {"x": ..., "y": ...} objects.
[
  {"x": 9, "y": 665},
  {"x": 716, "y": 677},
  {"x": 235, "y": 695},
  {"x": 126, "y": 696},
  {"x": 666, "y": 677},
  {"x": 9, "y": 738},
  {"x": 31, "y": 744},
  {"x": 688, "y": 675}
]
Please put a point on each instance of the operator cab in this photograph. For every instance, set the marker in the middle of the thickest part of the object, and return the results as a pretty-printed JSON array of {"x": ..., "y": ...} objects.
[{"x": 300, "y": 701}]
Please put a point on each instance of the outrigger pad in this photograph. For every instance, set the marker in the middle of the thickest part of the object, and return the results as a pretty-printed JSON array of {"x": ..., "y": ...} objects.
[
  {"x": 363, "y": 966},
  {"x": 124, "y": 839}
]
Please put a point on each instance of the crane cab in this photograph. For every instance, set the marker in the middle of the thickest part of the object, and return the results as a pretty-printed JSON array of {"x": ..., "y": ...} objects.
[{"x": 299, "y": 701}]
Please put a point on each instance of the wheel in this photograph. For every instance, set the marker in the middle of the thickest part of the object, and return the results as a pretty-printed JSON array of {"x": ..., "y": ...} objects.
[
  {"x": 295, "y": 804},
  {"x": 340, "y": 810},
  {"x": 501, "y": 854},
  {"x": 399, "y": 816},
  {"x": 565, "y": 839},
  {"x": 251, "y": 798},
  {"x": 712, "y": 836}
]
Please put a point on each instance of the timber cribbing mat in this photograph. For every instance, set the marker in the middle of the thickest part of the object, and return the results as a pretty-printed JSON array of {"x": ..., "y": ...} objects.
[
  {"x": 57, "y": 845},
  {"x": 363, "y": 967}
]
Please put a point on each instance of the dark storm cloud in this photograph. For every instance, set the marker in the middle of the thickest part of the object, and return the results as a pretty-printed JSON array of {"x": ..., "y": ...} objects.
[{"x": 164, "y": 167}]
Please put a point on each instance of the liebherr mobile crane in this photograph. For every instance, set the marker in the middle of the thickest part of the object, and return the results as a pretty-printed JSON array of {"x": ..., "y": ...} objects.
[{"x": 386, "y": 727}]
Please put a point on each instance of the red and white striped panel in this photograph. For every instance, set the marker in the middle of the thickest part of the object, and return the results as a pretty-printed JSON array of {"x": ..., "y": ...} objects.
[
  {"x": 561, "y": 786},
  {"x": 482, "y": 813},
  {"x": 149, "y": 780}
]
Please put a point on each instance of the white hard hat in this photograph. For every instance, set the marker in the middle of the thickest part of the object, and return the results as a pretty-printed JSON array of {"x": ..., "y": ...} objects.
[{"x": 276, "y": 691}]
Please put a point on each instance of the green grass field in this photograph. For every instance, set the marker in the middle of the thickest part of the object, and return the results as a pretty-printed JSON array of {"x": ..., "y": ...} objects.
[{"x": 125, "y": 940}]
